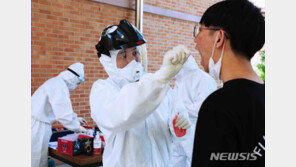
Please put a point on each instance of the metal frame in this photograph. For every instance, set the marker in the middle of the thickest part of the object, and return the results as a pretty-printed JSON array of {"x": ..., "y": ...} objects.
[
  {"x": 139, "y": 15},
  {"x": 152, "y": 9}
]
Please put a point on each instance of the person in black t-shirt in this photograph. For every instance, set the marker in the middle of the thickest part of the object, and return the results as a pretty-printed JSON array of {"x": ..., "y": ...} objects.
[{"x": 230, "y": 130}]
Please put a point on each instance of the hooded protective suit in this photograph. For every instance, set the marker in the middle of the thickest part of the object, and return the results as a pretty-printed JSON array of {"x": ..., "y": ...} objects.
[
  {"x": 135, "y": 117},
  {"x": 192, "y": 87},
  {"x": 51, "y": 102}
]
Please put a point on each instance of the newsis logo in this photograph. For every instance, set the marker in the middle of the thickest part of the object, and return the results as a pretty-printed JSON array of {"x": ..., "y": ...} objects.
[
  {"x": 244, "y": 156},
  {"x": 233, "y": 156}
]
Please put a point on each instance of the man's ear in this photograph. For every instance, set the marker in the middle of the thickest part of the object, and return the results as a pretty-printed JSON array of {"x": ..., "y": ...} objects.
[{"x": 220, "y": 39}]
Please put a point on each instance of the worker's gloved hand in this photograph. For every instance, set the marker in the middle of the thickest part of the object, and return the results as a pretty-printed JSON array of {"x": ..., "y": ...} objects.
[
  {"x": 82, "y": 129},
  {"x": 182, "y": 122},
  {"x": 81, "y": 120},
  {"x": 172, "y": 63}
]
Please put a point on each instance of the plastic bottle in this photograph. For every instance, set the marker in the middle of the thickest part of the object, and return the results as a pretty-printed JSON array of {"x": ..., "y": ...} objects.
[
  {"x": 103, "y": 141},
  {"x": 97, "y": 144}
]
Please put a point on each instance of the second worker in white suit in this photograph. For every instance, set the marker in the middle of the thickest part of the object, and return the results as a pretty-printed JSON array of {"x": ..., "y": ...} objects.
[
  {"x": 134, "y": 111},
  {"x": 51, "y": 102},
  {"x": 192, "y": 87}
]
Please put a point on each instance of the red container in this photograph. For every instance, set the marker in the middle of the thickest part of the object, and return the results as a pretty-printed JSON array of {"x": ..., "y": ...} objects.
[
  {"x": 88, "y": 127},
  {"x": 73, "y": 148},
  {"x": 102, "y": 138}
]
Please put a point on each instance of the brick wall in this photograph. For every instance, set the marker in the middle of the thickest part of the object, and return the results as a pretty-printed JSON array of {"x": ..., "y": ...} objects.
[{"x": 65, "y": 31}]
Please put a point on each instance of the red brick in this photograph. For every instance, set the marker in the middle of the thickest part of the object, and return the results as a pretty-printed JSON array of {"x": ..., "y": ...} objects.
[
  {"x": 51, "y": 17},
  {"x": 44, "y": 11},
  {"x": 68, "y": 7},
  {"x": 64, "y": 36},
  {"x": 44, "y": 2},
  {"x": 57, "y": 5},
  {"x": 57, "y": 13},
  {"x": 52, "y": 35}
]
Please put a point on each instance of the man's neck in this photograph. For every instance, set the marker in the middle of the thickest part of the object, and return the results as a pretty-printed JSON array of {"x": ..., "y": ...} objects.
[{"x": 237, "y": 66}]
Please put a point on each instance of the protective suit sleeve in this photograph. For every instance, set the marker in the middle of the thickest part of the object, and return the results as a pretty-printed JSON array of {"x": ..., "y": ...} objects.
[
  {"x": 59, "y": 99},
  {"x": 201, "y": 88},
  {"x": 195, "y": 85},
  {"x": 126, "y": 109}
]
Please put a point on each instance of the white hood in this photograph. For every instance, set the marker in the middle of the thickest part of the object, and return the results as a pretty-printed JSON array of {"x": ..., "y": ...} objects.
[{"x": 71, "y": 79}]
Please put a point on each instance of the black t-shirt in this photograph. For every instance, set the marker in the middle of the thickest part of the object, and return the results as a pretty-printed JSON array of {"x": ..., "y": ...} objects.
[{"x": 230, "y": 130}]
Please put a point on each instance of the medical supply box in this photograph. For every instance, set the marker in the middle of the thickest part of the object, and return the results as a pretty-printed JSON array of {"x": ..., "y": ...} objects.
[{"x": 75, "y": 144}]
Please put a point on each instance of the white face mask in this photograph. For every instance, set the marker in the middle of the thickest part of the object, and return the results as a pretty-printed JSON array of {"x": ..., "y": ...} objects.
[
  {"x": 70, "y": 79},
  {"x": 72, "y": 86},
  {"x": 132, "y": 72},
  {"x": 214, "y": 69}
]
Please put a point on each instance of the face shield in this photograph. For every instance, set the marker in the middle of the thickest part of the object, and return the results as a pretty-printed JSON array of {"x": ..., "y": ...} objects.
[
  {"x": 143, "y": 56},
  {"x": 81, "y": 78},
  {"x": 117, "y": 37}
]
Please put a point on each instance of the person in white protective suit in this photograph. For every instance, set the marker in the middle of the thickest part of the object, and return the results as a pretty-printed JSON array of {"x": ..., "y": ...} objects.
[
  {"x": 134, "y": 110},
  {"x": 192, "y": 87},
  {"x": 51, "y": 102}
]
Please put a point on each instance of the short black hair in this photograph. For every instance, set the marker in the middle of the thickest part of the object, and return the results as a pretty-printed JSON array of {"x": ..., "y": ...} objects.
[{"x": 242, "y": 21}]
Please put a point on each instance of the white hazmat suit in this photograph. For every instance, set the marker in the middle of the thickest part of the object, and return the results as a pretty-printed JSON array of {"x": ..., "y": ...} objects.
[
  {"x": 136, "y": 117},
  {"x": 192, "y": 87},
  {"x": 51, "y": 102}
]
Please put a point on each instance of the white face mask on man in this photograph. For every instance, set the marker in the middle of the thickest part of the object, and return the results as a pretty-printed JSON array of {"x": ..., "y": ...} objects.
[{"x": 214, "y": 69}]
